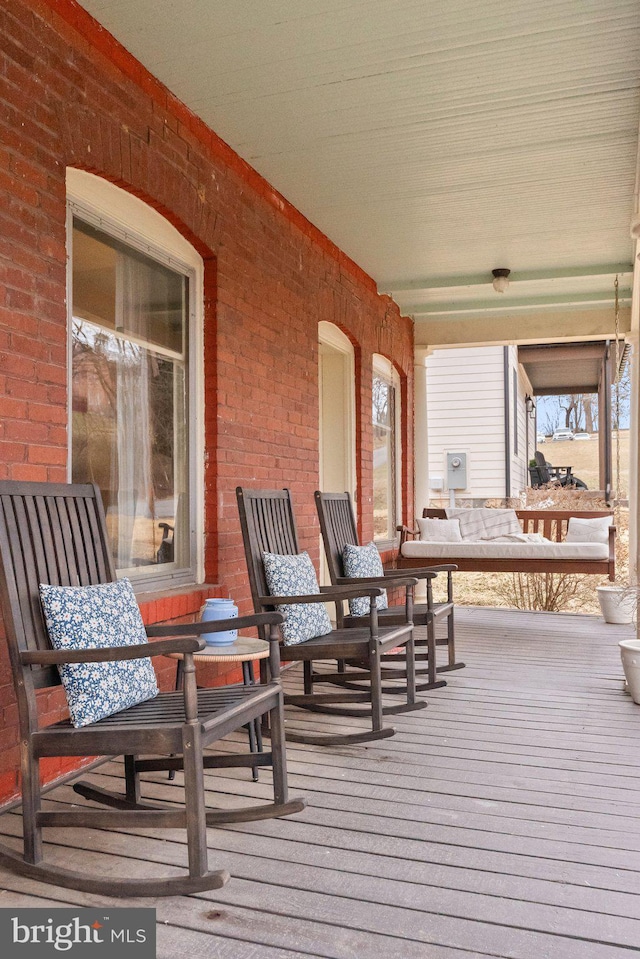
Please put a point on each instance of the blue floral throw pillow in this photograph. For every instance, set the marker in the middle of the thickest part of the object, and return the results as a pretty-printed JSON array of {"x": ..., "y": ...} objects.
[
  {"x": 295, "y": 576},
  {"x": 363, "y": 561},
  {"x": 86, "y": 617}
]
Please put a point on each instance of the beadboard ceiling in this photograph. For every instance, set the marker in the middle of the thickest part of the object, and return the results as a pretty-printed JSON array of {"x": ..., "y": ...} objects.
[{"x": 431, "y": 140}]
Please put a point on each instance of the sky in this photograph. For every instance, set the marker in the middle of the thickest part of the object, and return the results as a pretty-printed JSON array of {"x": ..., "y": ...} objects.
[{"x": 549, "y": 415}]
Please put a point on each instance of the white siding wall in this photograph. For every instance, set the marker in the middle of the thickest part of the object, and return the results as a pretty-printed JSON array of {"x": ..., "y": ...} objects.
[{"x": 465, "y": 409}]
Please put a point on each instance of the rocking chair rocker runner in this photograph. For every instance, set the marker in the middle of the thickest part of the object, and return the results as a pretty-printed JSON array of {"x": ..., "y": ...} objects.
[
  {"x": 268, "y": 526},
  {"x": 56, "y": 534},
  {"x": 338, "y": 526}
]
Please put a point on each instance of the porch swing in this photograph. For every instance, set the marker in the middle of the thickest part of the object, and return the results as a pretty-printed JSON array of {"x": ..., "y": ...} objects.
[
  {"x": 528, "y": 540},
  {"x": 557, "y": 550}
]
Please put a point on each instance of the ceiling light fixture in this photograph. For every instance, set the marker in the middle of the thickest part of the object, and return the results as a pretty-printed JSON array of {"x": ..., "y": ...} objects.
[{"x": 500, "y": 280}]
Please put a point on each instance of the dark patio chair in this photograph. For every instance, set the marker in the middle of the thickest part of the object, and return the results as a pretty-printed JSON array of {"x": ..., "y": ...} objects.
[
  {"x": 543, "y": 473},
  {"x": 56, "y": 534},
  {"x": 338, "y": 526},
  {"x": 268, "y": 526}
]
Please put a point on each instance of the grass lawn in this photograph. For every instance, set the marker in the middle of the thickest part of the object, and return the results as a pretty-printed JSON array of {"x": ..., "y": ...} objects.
[{"x": 582, "y": 456}]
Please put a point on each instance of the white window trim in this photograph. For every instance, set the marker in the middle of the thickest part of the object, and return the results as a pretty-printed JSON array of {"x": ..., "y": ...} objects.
[
  {"x": 108, "y": 207},
  {"x": 384, "y": 368}
]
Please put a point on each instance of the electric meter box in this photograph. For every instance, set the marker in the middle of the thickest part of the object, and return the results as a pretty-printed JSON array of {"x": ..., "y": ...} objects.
[{"x": 456, "y": 470}]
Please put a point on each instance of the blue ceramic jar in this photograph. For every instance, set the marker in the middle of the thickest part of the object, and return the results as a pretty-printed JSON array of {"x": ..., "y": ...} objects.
[{"x": 219, "y": 609}]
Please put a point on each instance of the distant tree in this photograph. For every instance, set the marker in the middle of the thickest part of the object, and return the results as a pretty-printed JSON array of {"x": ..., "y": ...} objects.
[
  {"x": 579, "y": 411},
  {"x": 552, "y": 412},
  {"x": 590, "y": 404},
  {"x": 623, "y": 391},
  {"x": 570, "y": 404},
  {"x": 575, "y": 411}
]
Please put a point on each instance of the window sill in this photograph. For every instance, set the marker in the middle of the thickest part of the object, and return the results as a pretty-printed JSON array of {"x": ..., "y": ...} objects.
[{"x": 157, "y": 606}]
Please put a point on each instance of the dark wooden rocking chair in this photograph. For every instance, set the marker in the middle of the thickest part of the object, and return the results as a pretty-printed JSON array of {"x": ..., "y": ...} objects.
[
  {"x": 338, "y": 526},
  {"x": 56, "y": 534},
  {"x": 268, "y": 526}
]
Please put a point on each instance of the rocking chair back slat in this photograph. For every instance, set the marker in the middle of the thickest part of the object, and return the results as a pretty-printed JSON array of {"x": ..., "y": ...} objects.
[
  {"x": 80, "y": 566},
  {"x": 22, "y": 548},
  {"x": 338, "y": 527},
  {"x": 40, "y": 530},
  {"x": 268, "y": 526},
  {"x": 47, "y": 537}
]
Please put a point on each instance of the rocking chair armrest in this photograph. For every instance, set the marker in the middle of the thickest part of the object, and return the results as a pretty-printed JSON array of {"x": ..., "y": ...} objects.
[
  {"x": 109, "y": 654},
  {"x": 360, "y": 586},
  {"x": 402, "y": 579},
  {"x": 426, "y": 573},
  {"x": 216, "y": 625},
  {"x": 429, "y": 572},
  {"x": 327, "y": 594}
]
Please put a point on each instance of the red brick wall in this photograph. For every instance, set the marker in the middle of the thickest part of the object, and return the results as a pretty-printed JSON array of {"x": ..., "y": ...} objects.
[{"x": 71, "y": 96}]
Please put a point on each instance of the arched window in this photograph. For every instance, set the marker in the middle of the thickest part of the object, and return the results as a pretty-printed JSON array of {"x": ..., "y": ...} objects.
[
  {"x": 135, "y": 335},
  {"x": 336, "y": 379},
  {"x": 387, "y": 451}
]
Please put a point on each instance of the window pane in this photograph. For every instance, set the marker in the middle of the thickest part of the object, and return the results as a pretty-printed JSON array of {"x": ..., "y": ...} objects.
[
  {"x": 122, "y": 289},
  {"x": 129, "y": 397},
  {"x": 384, "y": 507}
]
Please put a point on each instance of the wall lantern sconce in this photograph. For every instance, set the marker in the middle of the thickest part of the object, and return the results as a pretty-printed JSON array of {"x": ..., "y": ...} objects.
[
  {"x": 530, "y": 405},
  {"x": 500, "y": 280}
]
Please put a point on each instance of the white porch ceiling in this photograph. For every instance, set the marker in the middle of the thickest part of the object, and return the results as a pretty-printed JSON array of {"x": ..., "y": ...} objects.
[{"x": 431, "y": 141}]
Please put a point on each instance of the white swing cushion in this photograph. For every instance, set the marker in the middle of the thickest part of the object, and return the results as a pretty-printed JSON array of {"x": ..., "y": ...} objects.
[
  {"x": 444, "y": 552},
  {"x": 583, "y": 530}
]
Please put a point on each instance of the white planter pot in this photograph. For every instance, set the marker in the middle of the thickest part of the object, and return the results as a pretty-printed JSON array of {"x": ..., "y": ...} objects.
[
  {"x": 630, "y": 655},
  {"x": 618, "y": 603}
]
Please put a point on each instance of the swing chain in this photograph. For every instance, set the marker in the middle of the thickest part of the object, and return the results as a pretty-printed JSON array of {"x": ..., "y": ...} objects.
[{"x": 617, "y": 389}]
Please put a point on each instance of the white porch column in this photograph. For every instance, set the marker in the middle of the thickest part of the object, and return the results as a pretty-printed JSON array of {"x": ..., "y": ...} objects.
[
  {"x": 421, "y": 451},
  {"x": 420, "y": 445},
  {"x": 634, "y": 419},
  {"x": 634, "y": 446},
  {"x": 634, "y": 431}
]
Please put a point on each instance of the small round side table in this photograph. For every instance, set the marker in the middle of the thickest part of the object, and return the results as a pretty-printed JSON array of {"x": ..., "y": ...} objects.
[{"x": 245, "y": 650}]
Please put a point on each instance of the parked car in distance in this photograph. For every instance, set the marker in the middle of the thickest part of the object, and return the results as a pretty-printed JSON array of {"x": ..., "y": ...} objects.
[
  {"x": 581, "y": 436},
  {"x": 540, "y": 438},
  {"x": 563, "y": 434}
]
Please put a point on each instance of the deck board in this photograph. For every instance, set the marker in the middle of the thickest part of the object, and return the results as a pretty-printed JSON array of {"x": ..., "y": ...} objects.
[{"x": 501, "y": 821}]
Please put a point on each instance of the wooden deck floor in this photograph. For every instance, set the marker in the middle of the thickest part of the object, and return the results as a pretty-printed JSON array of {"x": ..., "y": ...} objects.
[{"x": 501, "y": 821}]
